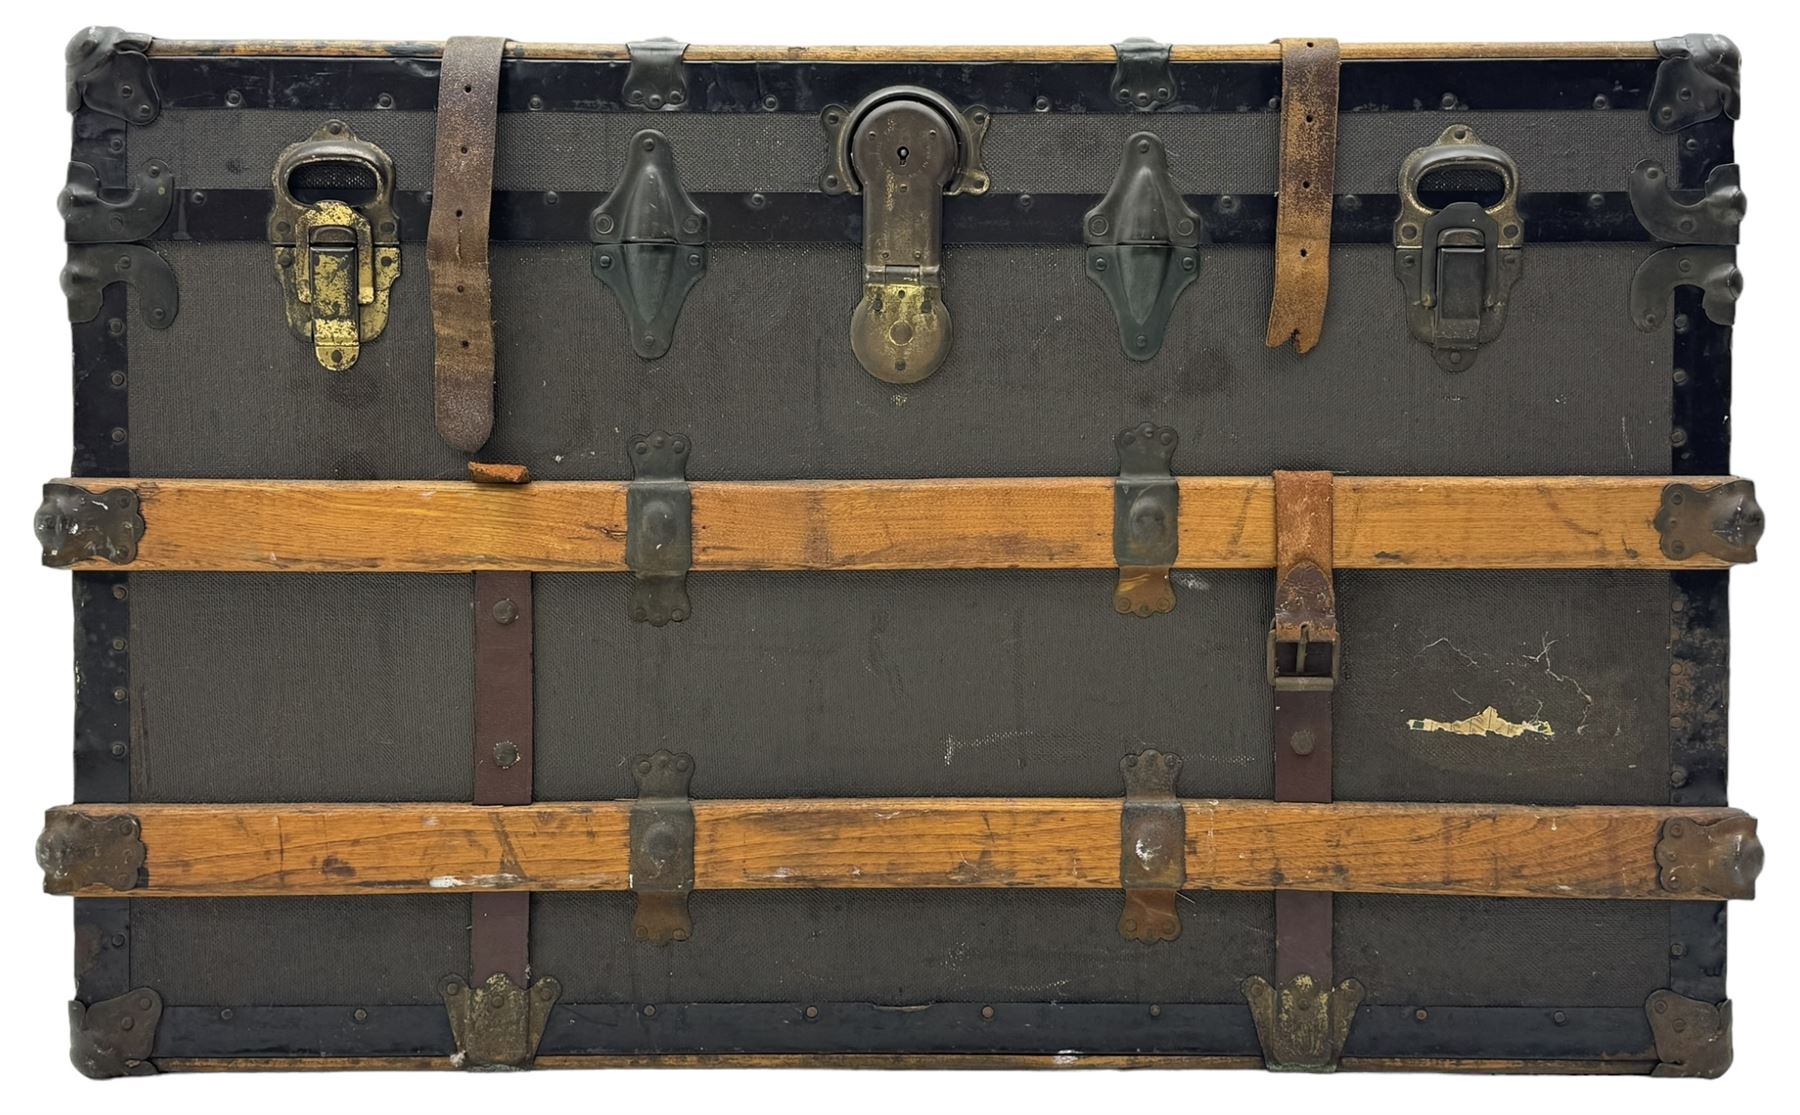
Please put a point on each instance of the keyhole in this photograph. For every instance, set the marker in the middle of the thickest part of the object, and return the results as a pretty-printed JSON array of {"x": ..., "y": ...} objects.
[{"x": 902, "y": 152}]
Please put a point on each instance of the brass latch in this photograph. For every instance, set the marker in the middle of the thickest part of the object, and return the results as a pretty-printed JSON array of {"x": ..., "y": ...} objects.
[
  {"x": 1457, "y": 243},
  {"x": 903, "y": 149},
  {"x": 337, "y": 241}
]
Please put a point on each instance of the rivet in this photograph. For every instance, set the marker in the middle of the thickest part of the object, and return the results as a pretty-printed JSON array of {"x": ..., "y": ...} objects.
[
  {"x": 120, "y": 695},
  {"x": 197, "y": 198},
  {"x": 1677, "y": 950},
  {"x": 1678, "y": 776},
  {"x": 384, "y": 100},
  {"x": 118, "y": 940},
  {"x": 1561, "y": 1018},
  {"x": 233, "y": 98},
  {"x": 360, "y": 1015},
  {"x": 126, "y": 1023},
  {"x": 1155, "y": 1011},
  {"x": 1448, "y": 100},
  {"x": 1041, "y": 104},
  {"x": 987, "y": 1012},
  {"x": 118, "y": 750},
  {"x": 1600, "y": 101},
  {"x": 118, "y": 434},
  {"x": 117, "y": 379},
  {"x": 120, "y": 592},
  {"x": 506, "y": 754},
  {"x": 225, "y": 1015},
  {"x": 649, "y": 1012},
  {"x": 505, "y": 611},
  {"x": 1678, "y": 437},
  {"x": 771, "y": 103},
  {"x": 1421, "y": 1015},
  {"x": 812, "y": 1012},
  {"x": 116, "y": 326},
  {"x": 1680, "y": 376},
  {"x": 757, "y": 201},
  {"x": 551, "y": 197},
  {"x": 535, "y": 104}
]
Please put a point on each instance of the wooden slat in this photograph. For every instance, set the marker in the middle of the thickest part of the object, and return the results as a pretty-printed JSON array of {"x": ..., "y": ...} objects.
[
  {"x": 1567, "y": 522},
  {"x": 315, "y": 849},
  {"x": 1254, "y": 52}
]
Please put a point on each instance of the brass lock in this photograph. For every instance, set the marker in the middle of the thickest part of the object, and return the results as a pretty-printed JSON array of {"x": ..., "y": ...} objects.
[
  {"x": 337, "y": 241},
  {"x": 1458, "y": 260},
  {"x": 903, "y": 149}
]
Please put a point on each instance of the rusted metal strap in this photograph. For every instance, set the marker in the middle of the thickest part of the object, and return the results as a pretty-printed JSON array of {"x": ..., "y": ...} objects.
[
  {"x": 456, "y": 247},
  {"x": 1152, "y": 847},
  {"x": 1309, "y": 103},
  {"x": 1302, "y": 1018}
]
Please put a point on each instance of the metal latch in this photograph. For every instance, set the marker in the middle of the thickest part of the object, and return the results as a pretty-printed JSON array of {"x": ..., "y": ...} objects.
[
  {"x": 662, "y": 847},
  {"x": 1146, "y": 534},
  {"x": 903, "y": 149},
  {"x": 1152, "y": 848},
  {"x": 659, "y": 530},
  {"x": 1459, "y": 260},
  {"x": 1142, "y": 245},
  {"x": 649, "y": 243},
  {"x": 337, "y": 241}
]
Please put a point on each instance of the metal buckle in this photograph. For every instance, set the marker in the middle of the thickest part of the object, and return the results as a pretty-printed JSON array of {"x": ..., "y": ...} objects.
[{"x": 1299, "y": 681}]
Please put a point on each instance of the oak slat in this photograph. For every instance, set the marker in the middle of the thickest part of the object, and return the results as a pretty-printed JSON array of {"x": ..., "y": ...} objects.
[
  {"x": 1570, "y": 522},
  {"x": 1385, "y": 848}
]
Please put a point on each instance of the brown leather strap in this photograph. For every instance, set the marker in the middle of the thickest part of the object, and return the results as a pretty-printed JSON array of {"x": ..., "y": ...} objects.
[
  {"x": 499, "y": 933},
  {"x": 1303, "y": 648},
  {"x": 456, "y": 247},
  {"x": 1309, "y": 102}
]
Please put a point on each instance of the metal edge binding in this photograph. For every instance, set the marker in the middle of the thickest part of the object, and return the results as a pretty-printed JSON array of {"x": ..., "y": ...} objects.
[
  {"x": 114, "y": 1037},
  {"x": 108, "y": 70},
  {"x": 1696, "y": 81}
]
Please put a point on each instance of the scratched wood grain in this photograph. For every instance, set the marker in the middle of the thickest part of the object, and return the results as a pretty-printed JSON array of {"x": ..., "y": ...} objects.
[
  {"x": 1389, "y": 848},
  {"x": 1569, "y": 522}
]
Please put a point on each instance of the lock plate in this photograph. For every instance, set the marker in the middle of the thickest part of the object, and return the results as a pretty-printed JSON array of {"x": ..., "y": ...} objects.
[
  {"x": 1458, "y": 264},
  {"x": 903, "y": 149},
  {"x": 337, "y": 250}
]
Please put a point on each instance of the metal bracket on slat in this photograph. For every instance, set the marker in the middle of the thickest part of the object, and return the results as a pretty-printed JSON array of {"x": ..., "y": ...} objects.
[
  {"x": 1717, "y": 860},
  {"x": 662, "y": 847},
  {"x": 1693, "y": 1038},
  {"x": 656, "y": 80},
  {"x": 1302, "y": 1026},
  {"x": 108, "y": 70},
  {"x": 1152, "y": 847},
  {"x": 659, "y": 530},
  {"x": 1697, "y": 81},
  {"x": 114, "y": 1037},
  {"x": 1146, "y": 503},
  {"x": 77, "y": 850},
  {"x": 1142, "y": 79},
  {"x": 1723, "y": 521},
  {"x": 498, "y": 1024},
  {"x": 74, "y": 524}
]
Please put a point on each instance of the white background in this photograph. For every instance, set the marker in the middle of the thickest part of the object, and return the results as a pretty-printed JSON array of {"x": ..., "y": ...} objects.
[{"x": 35, "y": 660}]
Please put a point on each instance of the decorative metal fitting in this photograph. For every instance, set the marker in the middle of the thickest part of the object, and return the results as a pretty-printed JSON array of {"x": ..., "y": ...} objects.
[
  {"x": 659, "y": 528},
  {"x": 78, "y": 850},
  {"x": 89, "y": 217},
  {"x": 94, "y": 267},
  {"x": 1458, "y": 264},
  {"x": 1717, "y": 860},
  {"x": 1142, "y": 245},
  {"x": 649, "y": 243},
  {"x": 74, "y": 524},
  {"x": 1302, "y": 1026},
  {"x": 114, "y": 1037},
  {"x": 1713, "y": 270},
  {"x": 1693, "y": 1038},
  {"x": 1152, "y": 847},
  {"x": 498, "y": 1024},
  {"x": 1697, "y": 80},
  {"x": 903, "y": 149},
  {"x": 1142, "y": 78},
  {"x": 662, "y": 847},
  {"x": 108, "y": 70},
  {"x": 656, "y": 80},
  {"x": 1712, "y": 219},
  {"x": 1146, "y": 528},
  {"x": 337, "y": 241},
  {"x": 1723, "y": 521}
]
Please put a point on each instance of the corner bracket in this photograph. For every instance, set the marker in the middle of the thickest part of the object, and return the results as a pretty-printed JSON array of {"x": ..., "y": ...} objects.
[
  {"x": 662, "y": 847},
  {"x": 1693, "y": 1038},
  {"x": 1302, "y": 1027},
  {"x": 114, "y": 1037},
  {"x": 498, "y": 1024},
  {"x": 1696, "y": 81},
  {"x": 108, "y": 70}
]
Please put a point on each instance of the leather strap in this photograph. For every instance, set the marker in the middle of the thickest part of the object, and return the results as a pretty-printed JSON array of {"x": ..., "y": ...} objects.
[
  {"x": 1309, "y": 103},
  {"x": 1305, "y": 617},
  {"x": 500, "y": 934},
  {"x": 456, "y": 247}
]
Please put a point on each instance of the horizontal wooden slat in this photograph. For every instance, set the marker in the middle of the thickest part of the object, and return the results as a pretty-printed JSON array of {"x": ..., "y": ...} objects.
[
  {"x": 1253, "y": 52},
  {"x": 1388, "y": 848},
  {"x": 1567, "y": 522}
]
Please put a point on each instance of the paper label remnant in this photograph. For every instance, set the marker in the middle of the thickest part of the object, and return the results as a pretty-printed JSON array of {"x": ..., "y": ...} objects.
[{"x": 1487, "y": 722}]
